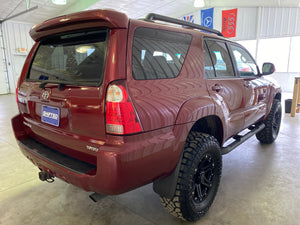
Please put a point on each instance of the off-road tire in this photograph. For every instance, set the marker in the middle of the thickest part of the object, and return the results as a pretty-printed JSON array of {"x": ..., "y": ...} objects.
[
  {"x": 269, "y": 134},
  {"x": 199, "y": 178}
]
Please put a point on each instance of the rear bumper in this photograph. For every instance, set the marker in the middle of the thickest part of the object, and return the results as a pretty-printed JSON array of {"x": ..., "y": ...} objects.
[{"x": 123, "y": 163}]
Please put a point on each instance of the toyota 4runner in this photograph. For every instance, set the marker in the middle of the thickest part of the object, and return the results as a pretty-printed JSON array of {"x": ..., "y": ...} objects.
[{"x": 109, "y": 104}]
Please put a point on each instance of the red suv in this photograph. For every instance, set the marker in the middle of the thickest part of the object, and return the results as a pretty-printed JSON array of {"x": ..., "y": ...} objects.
[{"x": 109, "y": 104}]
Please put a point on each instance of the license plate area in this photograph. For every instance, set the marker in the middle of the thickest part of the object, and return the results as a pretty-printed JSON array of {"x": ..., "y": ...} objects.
[{"x": 50, "y": 115}]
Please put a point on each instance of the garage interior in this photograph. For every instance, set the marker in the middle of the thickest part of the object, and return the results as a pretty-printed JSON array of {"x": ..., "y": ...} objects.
[{"x": 260, "y": 183}]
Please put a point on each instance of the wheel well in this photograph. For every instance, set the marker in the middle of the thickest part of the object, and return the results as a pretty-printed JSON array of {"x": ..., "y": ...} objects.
[
  {"x": 278, "y": 96},
  {"x": 210, "y": 125}
]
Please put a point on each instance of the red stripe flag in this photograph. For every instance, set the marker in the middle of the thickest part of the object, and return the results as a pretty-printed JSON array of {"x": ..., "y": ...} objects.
[{"x": 229, "y": 18}]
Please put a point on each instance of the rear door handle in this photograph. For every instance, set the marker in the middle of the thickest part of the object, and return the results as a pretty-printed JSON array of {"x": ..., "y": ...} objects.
[{"x": 216, "y": 88}]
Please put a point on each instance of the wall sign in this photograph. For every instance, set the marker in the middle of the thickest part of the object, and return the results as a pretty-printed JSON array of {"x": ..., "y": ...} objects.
[
  {"x": 207, "y": 18},
  {"x": 189, "y": 18},
  {"x": 229, "y": 18},
  {"x": 21, "y": 50}
]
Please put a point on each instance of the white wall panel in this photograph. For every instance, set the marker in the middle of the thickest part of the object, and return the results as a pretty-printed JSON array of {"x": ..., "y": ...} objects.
[
  {"x": 246, "y": 23},
  {"x": 284, "y": 80},
  {"x": 295, "y": 20},
  {"x": 280, "y": 22},
  {"x": 218, "y": 19},
  {"x": 16, "y": 35},
  {"x": 3, "y": 78}
]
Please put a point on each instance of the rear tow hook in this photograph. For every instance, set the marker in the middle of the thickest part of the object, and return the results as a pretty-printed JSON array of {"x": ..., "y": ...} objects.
[{"x": 45, "y": 176}]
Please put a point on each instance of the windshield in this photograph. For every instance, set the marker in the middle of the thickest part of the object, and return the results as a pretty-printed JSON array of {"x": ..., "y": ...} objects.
[{"x": 75, "y": 57}]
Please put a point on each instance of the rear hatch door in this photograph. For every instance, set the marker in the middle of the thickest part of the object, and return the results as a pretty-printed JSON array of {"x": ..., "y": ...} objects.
[{"x": 61, "y": 98}]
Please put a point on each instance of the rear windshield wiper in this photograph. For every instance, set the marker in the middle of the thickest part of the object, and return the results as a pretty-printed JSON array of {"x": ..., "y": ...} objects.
[{"x": 61, "y": 84}]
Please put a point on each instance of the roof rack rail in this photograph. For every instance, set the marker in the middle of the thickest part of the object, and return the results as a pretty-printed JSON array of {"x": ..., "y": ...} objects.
[{"x": 154, "y": 16}]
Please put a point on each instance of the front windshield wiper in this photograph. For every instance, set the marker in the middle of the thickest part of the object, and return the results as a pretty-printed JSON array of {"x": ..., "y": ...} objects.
[{"x": 61, "y": 84}]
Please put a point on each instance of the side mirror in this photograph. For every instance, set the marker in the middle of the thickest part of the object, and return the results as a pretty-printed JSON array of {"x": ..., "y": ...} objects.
[{"x": 268, "y": 68}]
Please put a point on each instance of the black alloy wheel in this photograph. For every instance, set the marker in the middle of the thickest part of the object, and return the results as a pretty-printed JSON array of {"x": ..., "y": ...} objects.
[
  {"x": 203, "y": 179},
  {"x": 269, "y": 134}
]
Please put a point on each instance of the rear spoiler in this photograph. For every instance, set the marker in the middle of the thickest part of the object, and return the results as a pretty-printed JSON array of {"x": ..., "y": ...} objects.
[{"x": 80, "y": 20}]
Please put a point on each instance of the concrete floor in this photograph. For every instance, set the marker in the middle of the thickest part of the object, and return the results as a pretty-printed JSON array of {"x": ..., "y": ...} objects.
[{"x": 260, "y": 185}]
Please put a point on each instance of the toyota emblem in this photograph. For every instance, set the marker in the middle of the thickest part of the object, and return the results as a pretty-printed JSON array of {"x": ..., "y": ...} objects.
[{"x": 45, "y": 95}]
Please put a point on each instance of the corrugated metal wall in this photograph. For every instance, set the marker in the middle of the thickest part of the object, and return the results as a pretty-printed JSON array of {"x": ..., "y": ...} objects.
[
  {"x": 16, "y": 40},
  {"x": 280, "y": 22},
  {"x": 3, "y": 70}
]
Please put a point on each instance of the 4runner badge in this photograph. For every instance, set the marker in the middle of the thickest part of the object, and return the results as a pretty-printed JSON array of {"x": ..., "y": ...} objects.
[{"x": 92, "y": 148}]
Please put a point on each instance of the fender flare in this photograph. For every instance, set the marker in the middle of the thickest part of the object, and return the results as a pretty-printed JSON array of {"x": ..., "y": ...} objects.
[{"x": 194, "y": 110}]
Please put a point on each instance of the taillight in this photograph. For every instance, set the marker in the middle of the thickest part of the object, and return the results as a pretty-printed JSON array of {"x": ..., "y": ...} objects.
[
  {"x": 120, "y": 115},
  {"x": 18, "y": 84}
]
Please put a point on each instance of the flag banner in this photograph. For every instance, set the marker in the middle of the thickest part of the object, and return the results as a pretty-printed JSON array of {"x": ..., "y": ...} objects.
[
  {"x": 189, "y": 18},
  {"x": 229, "y": 18},
  {"x": 207, "y": 18}
]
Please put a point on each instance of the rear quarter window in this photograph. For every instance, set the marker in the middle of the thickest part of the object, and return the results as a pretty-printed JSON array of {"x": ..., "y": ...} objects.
[
  {"x": 158, "y": 54},
  {"x": 220, "y": 57}
]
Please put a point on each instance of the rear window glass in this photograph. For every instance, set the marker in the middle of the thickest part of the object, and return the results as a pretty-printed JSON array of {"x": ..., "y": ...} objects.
[
  {"x": 158, "y": 54},
  {"x": 75, "y": 57}
]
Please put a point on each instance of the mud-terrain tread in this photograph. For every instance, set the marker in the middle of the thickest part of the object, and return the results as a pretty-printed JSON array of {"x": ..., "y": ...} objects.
[
  {"x": 196, "y": 145},
  {"x": 266, "y": 135}
]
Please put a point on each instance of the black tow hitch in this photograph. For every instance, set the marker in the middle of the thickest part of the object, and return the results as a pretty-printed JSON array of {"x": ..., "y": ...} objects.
[{"x": 45, "y": 176}]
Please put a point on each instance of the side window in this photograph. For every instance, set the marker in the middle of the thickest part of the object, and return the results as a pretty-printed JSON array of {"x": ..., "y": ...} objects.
[
  {"x": 158, "y": 54},
  {"x": 245, "y": 63},
  {"x": 220, "y": 58},
  {"x": 208, "y": 66}
]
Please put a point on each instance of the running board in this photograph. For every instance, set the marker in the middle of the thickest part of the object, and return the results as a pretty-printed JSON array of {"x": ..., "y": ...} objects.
[{"x": 241, "y": 139}]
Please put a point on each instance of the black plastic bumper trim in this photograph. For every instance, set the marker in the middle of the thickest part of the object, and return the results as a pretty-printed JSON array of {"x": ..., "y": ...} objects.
[{"x": 56, "y": 157}]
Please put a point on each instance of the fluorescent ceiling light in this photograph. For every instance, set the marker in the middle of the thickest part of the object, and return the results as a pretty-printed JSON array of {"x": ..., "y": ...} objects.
[
  {"x": 199, "y": 3},
  {"x": 59, "y": 2}
]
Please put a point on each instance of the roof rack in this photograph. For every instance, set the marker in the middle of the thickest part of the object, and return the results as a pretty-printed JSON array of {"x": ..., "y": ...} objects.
[{"x": 154, "y": 16}]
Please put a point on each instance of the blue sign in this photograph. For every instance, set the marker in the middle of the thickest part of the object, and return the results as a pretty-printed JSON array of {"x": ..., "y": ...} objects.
[
  {"x": 50, "y": 115},
  {"x": 207, "y": 17}
]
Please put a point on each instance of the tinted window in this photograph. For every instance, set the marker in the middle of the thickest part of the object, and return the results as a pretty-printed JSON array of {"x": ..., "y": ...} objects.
[
  {"x": 75, "y": 57},
  {"x": 208, "y": 66},
  {"x": 245, "y": 64},
  {"x": 158, "y": 54},
  {"x": 220, "y": 58}
]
